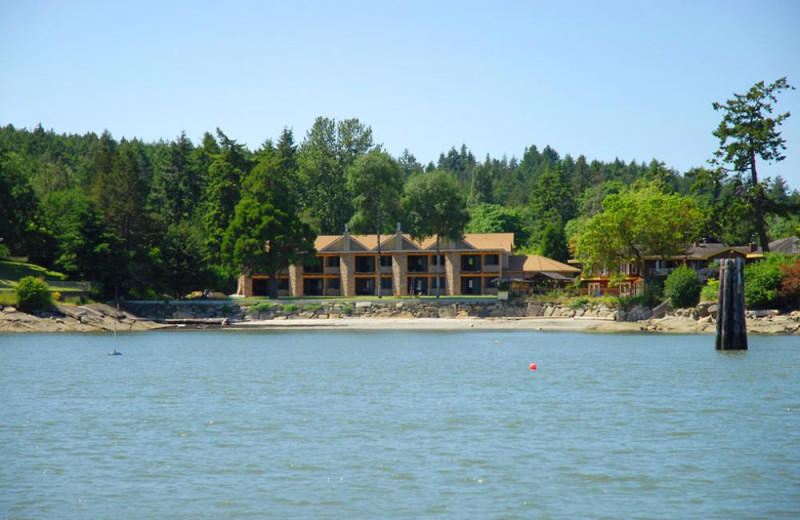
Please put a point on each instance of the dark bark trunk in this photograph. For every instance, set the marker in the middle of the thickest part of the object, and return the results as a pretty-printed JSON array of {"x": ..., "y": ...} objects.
[
  {"x": 272, "y": 285},
  {"x": 758, "y": 206}
]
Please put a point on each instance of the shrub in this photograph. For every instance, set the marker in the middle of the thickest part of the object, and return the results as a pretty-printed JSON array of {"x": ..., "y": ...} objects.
[
  {"x": 762, "y": 280},
  {"x": 33, "y": 294},
  {"x": 682, "y": 287},
  {"x": 261, "y": 307},
  {"x": 289, "y": 307},
  {"x": 347, "y": 309},
  {"x": 710, "y": 291},
  {"x": 4, "y": 252},
  {"x": 790, "y": 285},
  {"x": 311, "y": 307}
]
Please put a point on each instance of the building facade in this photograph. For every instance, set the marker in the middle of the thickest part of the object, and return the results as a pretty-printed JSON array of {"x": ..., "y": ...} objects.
[{"x": 349, "y": 265}]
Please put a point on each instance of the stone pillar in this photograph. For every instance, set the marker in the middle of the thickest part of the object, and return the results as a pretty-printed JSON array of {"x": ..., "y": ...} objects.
[
  {"x": 244, "y": 287},
  {"x": 347, "y": 269},
  {"x": 400, "y": 273},
  {"x": 452, "y": 268},
  {"x": 296, "y": 280}
]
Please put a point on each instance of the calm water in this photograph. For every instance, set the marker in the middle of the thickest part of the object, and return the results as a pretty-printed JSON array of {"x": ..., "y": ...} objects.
[{"x": 397, "y": 425}]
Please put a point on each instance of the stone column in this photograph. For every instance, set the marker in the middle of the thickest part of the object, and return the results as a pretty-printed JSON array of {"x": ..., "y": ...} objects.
[
  {"x": 400, "y": 273},
  {"x": 296, "y": 280},
  {"x": 347, "y": 269},
  {"x": 245, "y": 285},
  {"x": 452, "y": 268}
]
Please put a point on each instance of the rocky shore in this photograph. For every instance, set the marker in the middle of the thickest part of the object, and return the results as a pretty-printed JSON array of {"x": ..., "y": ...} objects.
[{"x": 389, "y": 314}]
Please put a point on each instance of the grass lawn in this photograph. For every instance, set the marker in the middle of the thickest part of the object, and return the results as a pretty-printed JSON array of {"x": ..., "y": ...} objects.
[{"x": 12, "y": 272}]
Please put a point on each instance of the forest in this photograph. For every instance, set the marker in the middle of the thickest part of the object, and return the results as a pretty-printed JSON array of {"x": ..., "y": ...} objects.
[{"x": 166, "y": 218}]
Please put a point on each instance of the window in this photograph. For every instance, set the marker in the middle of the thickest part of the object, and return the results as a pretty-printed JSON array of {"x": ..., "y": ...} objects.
[
  {"x": 470, "y": 263},
  {"x": 491, "y": 259},
  {"x": 470, "y": 285},
  {"x": 386, "y": 261},
  {"x": 386, "y": 283},
  {"x": 314, "y": 268},
  {"x": 365, "y": 286},
  {"x": 312, "y": 286},
  {"x": 365, "y": 264},
  {"x": 332, "y": 261},
  {"x": 260, "y": 287},
  {"x": 334, "y": 283},
  {"x": 283, "y": 284},
  {"x": 417, "y": 264}
]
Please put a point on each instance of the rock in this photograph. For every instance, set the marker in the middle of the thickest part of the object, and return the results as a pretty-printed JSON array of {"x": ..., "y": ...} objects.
[{"x": 363, "y": 305}]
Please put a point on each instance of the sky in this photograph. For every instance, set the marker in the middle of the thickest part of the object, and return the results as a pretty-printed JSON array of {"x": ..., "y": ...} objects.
[{"x": 629, "y": 80}]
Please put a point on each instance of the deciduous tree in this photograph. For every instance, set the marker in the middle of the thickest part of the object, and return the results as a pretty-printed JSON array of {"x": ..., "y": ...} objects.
[{"x": 434, "y": 206}]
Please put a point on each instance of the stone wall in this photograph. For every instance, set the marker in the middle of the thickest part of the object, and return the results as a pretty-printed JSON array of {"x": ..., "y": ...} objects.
[{"x": 353, "y": 309}]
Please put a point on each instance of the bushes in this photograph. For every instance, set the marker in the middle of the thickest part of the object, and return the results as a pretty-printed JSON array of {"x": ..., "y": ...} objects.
[
  {"x": 682, "y": 287},
  {"x": 33, "y": 294},
  {"x": 789, "y": 291},
  {"x": 710, "y": 291},
  {"x": 762, "y": 281}
]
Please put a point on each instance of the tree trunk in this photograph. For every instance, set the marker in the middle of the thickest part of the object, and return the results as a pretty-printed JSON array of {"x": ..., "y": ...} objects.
[
  {"x": 272, "y": 285},
  {"x": 378, "y": 261},
  {"x": 758, "y": 206}
]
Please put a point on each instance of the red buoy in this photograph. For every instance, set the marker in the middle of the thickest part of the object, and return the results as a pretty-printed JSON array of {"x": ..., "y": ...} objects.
[{"x": 533, "y": 366}]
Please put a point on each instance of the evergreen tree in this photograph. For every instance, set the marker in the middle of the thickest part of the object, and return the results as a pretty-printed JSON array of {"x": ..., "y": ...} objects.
[
  {"x": 266, "y": 233},
  {"x": 746, "y": 133}
]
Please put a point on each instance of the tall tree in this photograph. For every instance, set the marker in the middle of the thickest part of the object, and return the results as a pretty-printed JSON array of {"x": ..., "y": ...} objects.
[
  {"x": 748, "y": 132},
  {"x": 434, "y": 206},
  {"x": 324, "y": 156},
  {"x": 18, "y": 202},
  {"x": 375, "y": 180},
  {"x": 266, "y": 233}
]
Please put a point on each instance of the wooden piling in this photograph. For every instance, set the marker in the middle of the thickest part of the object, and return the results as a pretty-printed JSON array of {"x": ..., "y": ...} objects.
[{"x": 731, "y": 326}]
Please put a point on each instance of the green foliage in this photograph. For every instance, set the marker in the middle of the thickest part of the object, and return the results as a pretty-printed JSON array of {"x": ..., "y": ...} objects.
[
  {"x": 260, "y": 307},
  {"x": 375, "y": 180},
  {"x": 347, "y": 310},
  {"x": 433, "y": 205},
  {"x": 323, "y": 159},
  {"x": 762, "y": 281},
  {"x": 636, "y": 223},
  {"x": 266, "y": 233},
  {"x": 289, "y": 307},
  {"x": 4, "y": 252},
  {"x": 748, "y": 131},
  {"x": 682, "y": 287},
  {"x": 494, "y": 218},
  {"x": 33, "y": 295},
  {"x": 311, "y": 307},
  {"x": 710, "y": 291}
]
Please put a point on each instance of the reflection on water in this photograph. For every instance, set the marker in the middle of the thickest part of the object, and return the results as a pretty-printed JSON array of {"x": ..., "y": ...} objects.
[{"x": 397, "y": 425}]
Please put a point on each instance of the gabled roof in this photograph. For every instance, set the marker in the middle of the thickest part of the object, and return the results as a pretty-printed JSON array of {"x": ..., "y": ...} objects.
[
  {"x": 538, "y": 264},
  {"x": 472, "y": 241},
  {"x": 787, "y": 246}
]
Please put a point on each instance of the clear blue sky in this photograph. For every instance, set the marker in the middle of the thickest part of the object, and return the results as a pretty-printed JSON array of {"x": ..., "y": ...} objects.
[{"x": 633, "y": 80}]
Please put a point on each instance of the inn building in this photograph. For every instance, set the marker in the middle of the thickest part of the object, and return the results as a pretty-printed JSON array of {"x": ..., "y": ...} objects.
[{"x": 347, "y": 265}]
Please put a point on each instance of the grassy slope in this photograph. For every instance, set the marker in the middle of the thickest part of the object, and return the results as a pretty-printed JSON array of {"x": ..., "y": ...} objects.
[{"x": 11, "y": 272}]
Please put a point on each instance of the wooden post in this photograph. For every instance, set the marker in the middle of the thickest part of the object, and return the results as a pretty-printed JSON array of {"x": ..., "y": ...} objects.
[{"x": 731, "y": 326}]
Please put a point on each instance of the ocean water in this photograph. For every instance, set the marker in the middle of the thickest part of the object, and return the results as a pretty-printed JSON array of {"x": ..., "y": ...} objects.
[{"x": 389, "y": 424}]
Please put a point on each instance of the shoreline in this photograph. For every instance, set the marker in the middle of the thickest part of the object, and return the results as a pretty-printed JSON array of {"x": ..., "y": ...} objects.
[{"x": 101, "y": 318}]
